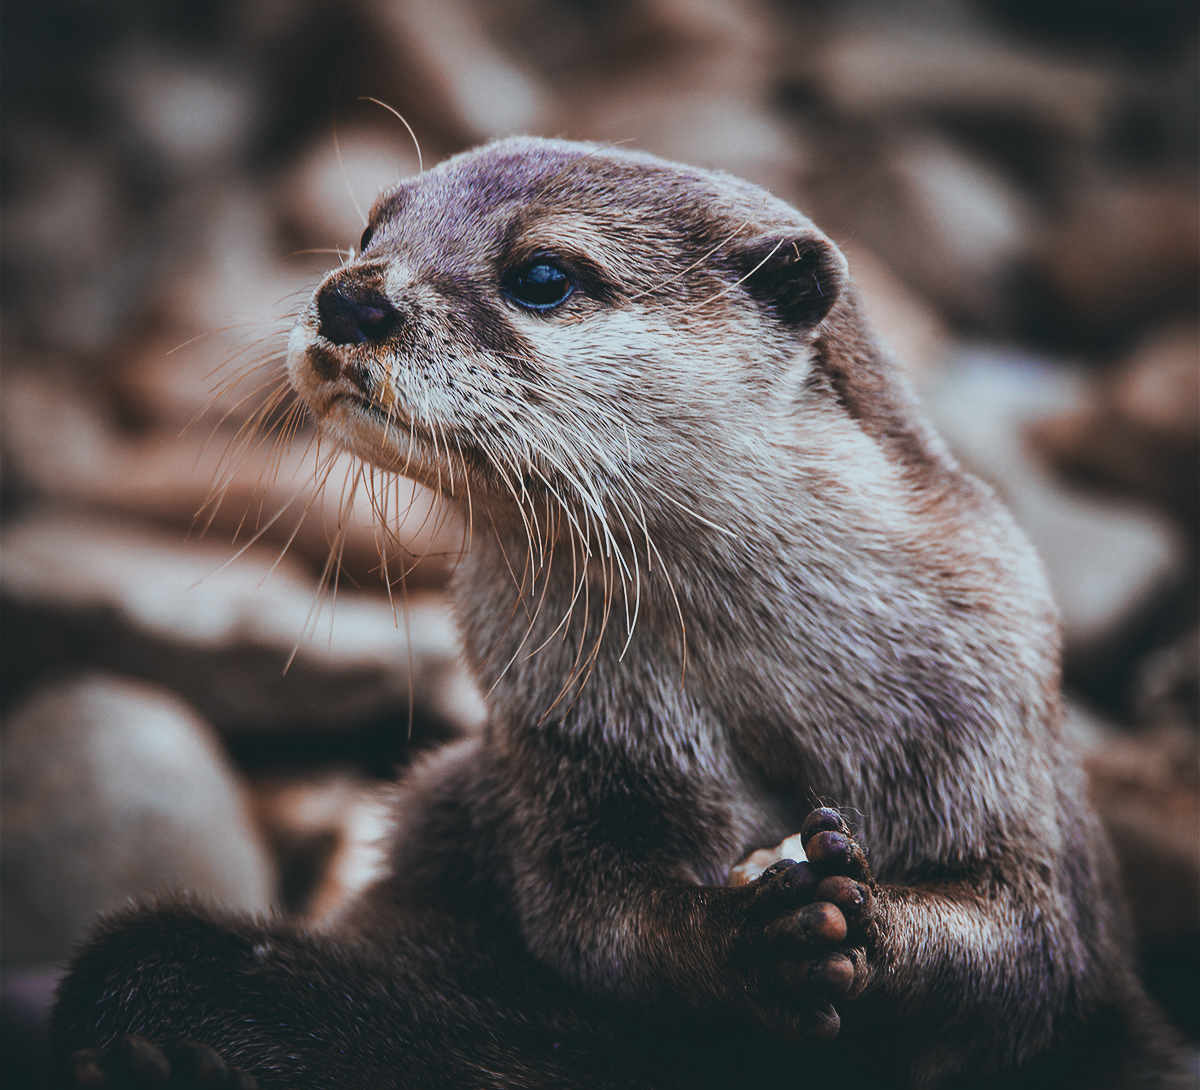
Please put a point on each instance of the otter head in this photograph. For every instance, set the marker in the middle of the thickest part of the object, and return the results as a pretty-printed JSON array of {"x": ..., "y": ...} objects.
[{"x": 541, "y": 321}]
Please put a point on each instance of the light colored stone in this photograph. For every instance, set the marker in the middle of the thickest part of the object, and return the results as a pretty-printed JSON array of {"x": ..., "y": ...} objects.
[
  {"x": 197, "y": 111},
  {"x": 114, "y": 789},
  {"x": 1104, "y": 556},
  {"x": 713, "y": 131},
  {"x": 974, "y": 226},
  {"x": 690, "y": 80},
  {"x": 223, "y": 631},
  {"x": 475, "y": 84},
  {"x": 236, "y": 278},
  {"x": 945, "y": 221},
  {"x": 887, "y": 70}
]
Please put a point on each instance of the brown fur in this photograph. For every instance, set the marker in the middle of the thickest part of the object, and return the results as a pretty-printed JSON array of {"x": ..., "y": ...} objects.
[{"x": 720, "y": 572}]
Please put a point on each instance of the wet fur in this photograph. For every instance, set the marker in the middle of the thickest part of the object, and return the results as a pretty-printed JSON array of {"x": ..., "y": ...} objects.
[{"x": 720, "y": 571}]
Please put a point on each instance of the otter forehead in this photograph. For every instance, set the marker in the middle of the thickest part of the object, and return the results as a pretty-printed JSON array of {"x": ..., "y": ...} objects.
[{"x": 629, "y": 212}]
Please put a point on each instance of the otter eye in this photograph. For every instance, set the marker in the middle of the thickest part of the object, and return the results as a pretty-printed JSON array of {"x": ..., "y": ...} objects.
[
  {"x": 365, "y": 241},
  {"x": 539, "y": 285}
]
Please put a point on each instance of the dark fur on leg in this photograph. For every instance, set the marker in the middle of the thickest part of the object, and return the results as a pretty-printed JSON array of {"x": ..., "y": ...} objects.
[{"x": 445, "y": 1002}]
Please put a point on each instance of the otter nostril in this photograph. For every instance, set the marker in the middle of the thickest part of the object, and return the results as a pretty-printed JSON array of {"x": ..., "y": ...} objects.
[{"x": 351, "y": 314}]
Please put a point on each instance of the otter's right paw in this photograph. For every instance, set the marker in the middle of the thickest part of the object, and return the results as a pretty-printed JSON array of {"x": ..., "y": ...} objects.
[
  {"x": 788, "y": 948},
  {"x": 804, "y": 934},
  {"x": 133, "y": 1062}
]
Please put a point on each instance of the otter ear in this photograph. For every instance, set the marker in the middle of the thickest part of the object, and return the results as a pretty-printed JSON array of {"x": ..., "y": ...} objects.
[{"x": 796, "y": 277}]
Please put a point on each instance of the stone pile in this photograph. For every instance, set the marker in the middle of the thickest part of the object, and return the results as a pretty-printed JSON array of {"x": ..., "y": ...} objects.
[{"x": 1017, "y": 195}]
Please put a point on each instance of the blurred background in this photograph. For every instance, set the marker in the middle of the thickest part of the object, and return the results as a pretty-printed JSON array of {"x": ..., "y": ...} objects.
[{"x": 1014, "y": 181}]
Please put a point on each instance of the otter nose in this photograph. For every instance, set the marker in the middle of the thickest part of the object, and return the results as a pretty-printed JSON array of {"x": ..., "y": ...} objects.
[{"x": 354, "y": 313}]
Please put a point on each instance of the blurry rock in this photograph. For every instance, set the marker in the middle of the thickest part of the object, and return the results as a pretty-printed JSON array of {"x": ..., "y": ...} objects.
[
  {"x": 328, "y": 831},
  {"x": 1140, "y": 431},
  {"x": 974, "y": 225},
  {"x": 595, "y": 54},
  {"x": 1167, "y": 692},
  {"x": 713, "y": 131},
  {"x": 175, "y": 375},
  {"x": 1124, "y": 251},
  {"x": 221, "y": 633},
  {"x": 196, "y": 113},
  {"x": 889, "y": 71},
  {"x": 1147, "y": 789},
  {"x": 466, "y": 78},
  {"x": 334, "y": 182},
  {"x": 114, "y": 789},
  {"x": 75, "y": 257},
  {"x": 59, "y": 444},
  {"x": 907, "y": 323},
  {"x": 235, "y": 277},
  {"x": 1158, "y": 390},
  {"x": 945, "y": 221},
  {"x": 688, "y": 80},
  {"x": 1105, "y": 557}
]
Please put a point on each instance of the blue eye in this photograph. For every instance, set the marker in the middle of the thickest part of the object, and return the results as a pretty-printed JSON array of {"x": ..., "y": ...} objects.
[{"x": 539, "y": 285}]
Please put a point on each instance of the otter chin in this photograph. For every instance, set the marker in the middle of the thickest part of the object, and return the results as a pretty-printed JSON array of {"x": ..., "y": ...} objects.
[{"x": 725, "y": 587}]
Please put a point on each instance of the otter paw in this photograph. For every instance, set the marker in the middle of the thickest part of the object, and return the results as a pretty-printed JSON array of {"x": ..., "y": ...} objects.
[
  {"x": 133, "y": 1062},
  {"x": 808, "y": 926},
  {"x": 840, "y": 865}
]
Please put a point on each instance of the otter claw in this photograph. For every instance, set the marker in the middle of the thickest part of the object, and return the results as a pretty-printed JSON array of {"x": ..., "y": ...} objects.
[{"x": 133, "y": 1062}]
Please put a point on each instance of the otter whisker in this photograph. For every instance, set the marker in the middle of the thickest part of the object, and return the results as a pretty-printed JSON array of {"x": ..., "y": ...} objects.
[
  {"x": 303, "y": 490},
  {"x": 224, "y": 474},
  {"x": 337, "y": 148},
  {"x": 659, "y": 285},
  {"x": 741, "y": 280},
  {"x": 400, "y": 117}
]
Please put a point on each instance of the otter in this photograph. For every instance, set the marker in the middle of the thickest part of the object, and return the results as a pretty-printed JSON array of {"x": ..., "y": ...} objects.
[{"x": 724, "y": 583}]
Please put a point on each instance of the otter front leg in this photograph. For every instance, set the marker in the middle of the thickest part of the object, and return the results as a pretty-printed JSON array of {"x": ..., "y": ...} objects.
[
  {"x": 153, "y": 982},
  {"x": 288, "y": 1006},
  {"x": 784, "y": 950}
]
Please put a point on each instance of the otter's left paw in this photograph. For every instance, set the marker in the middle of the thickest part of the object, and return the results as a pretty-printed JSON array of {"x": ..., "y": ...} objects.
[
  {"x": 817, "y": 948},
  {"x": 843, "y": 877},
  {"x": 133, "y": 1062}
]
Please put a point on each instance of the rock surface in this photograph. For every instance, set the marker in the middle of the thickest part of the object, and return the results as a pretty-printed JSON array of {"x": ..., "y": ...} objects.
[
  {"x": 112, "y": 789},
  {"x": 223, "y": 633},
  {"x": 1105, "y": 557}
]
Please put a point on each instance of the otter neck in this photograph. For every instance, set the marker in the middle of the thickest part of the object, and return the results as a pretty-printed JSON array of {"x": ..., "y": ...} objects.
[{"x": 663, "y": 632}]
